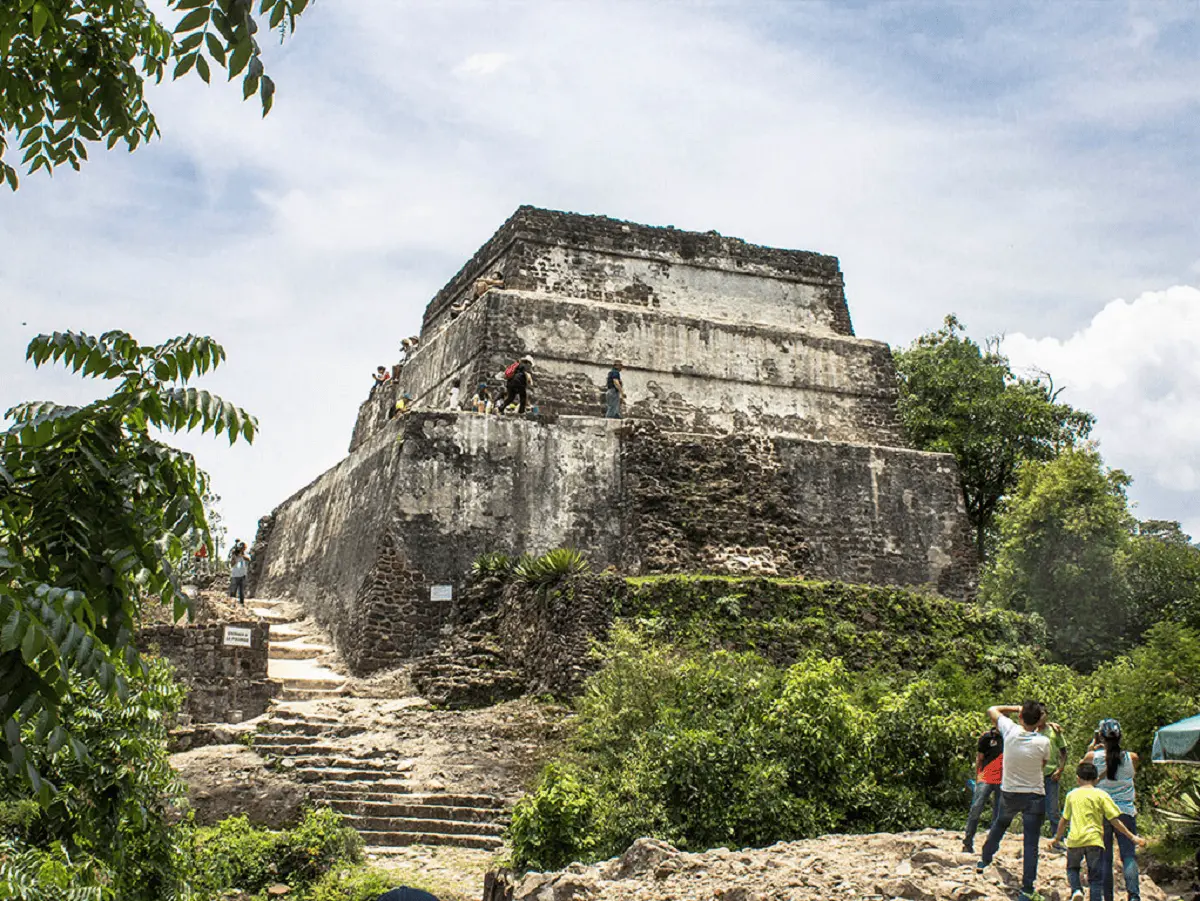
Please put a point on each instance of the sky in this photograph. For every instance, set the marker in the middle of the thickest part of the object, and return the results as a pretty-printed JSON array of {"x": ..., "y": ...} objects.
[{"x": 1029, "y": 167}]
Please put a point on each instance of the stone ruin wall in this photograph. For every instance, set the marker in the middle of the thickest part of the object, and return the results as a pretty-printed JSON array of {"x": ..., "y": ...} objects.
[
  {"x": 222, "y": 682},
  {"x": 629, "y": 496}
]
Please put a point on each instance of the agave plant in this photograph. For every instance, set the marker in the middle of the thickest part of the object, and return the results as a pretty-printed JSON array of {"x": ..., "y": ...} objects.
[
  {"x": 490, "y": 564},
  {"x": 550, "y": 567},
  {"x": 1183, "y": 813}
]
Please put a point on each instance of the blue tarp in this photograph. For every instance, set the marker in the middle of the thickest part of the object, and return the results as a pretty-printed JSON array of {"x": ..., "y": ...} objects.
[{"x": 1178, "y": 741}]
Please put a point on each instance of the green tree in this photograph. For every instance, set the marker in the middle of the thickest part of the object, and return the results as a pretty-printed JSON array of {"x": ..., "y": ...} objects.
[
  {"x": 74, "y": 71},
  {"x": 1162, "y": 567},
  {"x": 959, "y": 398},
  {"x": 114, "y": 808},
  {"x": 93, "y": 510},
  {"x": 1060, "y": 554}
]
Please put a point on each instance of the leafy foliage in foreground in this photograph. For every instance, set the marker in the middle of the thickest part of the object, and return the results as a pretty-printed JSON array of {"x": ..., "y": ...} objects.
[
  {"x": 235, "y": 855},
  {"x": 707, "y": 749},
  {"x": 74, "y": 70},
  {"x": 93, "y": 512},
  {"x": 109, "y": 819}
]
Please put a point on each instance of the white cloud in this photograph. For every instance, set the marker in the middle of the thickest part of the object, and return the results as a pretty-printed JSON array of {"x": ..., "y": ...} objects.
[
  {"x": 1136, "y": 365},
  {"x": 482, "y": 64}
]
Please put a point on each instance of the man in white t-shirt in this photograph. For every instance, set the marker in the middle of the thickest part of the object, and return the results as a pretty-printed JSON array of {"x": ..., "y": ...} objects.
[{"x": 1022, "y": 788}]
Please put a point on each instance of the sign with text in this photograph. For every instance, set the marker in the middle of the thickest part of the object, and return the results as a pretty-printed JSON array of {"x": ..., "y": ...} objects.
[
  {"x": 237, "y": 636},
  {"x": 441, "y": 592}
]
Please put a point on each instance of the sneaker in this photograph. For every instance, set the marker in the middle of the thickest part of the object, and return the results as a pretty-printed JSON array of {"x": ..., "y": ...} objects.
[
  {"x": 1077, "y": 895},
  {"x": 980, "y": 867},
  {"x": 968, "y": 847}
]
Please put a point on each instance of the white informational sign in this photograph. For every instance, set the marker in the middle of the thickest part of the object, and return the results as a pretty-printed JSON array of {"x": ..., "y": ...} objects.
[
  {"x": 441, "y": 592},
  {"x": 237, "y": 636}
]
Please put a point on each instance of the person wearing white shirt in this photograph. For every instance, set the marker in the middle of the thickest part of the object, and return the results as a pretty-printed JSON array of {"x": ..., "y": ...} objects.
[{"x": 1022, "y": 787}]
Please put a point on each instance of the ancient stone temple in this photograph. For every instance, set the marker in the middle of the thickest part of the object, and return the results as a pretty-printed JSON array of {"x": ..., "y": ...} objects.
[{"x": 760, "y": 436}]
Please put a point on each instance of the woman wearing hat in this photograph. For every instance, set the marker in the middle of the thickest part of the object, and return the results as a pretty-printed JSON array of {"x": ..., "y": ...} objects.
[{"x": 1117, "y": 768}]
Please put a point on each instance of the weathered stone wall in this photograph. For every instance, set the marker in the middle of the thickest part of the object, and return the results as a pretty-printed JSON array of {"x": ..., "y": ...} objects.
[
  {"x": 681, "y": 371},
  {"x": 784, "y": 506},
  {"x": 364, "y": 545},
  {"x": 220, "y": 679},
  {"x": 428, "y": 494},
  {"x": 610, "y": 261}
]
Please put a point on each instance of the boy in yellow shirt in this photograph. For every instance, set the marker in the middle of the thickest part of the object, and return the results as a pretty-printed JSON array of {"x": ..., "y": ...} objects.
[{"x": 1086, "y": 810}]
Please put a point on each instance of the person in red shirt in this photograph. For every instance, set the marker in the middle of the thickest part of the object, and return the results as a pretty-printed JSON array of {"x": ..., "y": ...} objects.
[{"x": 989, "y": 768}]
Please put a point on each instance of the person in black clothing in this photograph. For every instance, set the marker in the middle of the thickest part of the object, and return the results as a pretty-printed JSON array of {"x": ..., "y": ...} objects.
[
  {"x": 614, "y": 392},
  {"x": 404, "y": 893},
  {"x": 989, "y": 763},
  {"x": 517, "y": 386}
]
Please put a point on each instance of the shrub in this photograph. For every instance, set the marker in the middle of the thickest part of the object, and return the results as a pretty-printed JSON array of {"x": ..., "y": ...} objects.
[
  {"x": 706, "y": 748},
  {"x": 114, "y": 807},
  {"x": 553, "y": 824},
  {"x": 348, "y": 883},
  {"x": 235, "y": 855}
]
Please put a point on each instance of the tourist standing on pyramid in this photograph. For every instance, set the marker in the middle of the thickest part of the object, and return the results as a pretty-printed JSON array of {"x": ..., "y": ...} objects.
[
  {"x": 1022, "y": 787},
  {"x": 614, "y": 394},
  {"x": 518, "y": 384}
]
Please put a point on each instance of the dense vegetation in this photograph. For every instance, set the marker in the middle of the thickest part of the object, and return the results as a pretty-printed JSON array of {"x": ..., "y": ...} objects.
[{"x": 722, "y": 748}]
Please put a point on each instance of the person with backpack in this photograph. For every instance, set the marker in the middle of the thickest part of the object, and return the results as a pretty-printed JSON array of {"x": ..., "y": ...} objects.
[
  {"x": 989, "y": 768},
  {"x": 1116, "y": 768},
  {"x": 518, "y": 379}
]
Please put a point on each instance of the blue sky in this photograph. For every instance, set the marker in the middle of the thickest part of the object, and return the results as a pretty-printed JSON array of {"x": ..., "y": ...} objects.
[{"x": 1030, "y": 167}]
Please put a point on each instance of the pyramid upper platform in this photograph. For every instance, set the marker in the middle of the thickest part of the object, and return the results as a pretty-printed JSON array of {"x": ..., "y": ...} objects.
[{"x": 696, "y": 274}]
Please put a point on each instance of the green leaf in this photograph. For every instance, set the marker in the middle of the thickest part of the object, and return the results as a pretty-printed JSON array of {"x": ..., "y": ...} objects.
[
  {"x": 267, "y": 92},
  {"x": 239, "y": 58},
  {"x": 41, "y": 18},
  {"x": 215, "y": 48},
  {"x": 185, "y": 64},
  {"x": 14, "y": 630},
  {"x": 202, "y": 68},
  {"x": 193, "y": 20}
]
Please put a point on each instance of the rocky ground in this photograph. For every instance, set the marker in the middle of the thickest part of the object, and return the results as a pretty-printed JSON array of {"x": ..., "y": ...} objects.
[{"x": 915, "y": 866}]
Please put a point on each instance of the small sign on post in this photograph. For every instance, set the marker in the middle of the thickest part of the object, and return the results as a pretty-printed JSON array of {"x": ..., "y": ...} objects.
[
  {"x": 237, "y": 636},
  {"x": 441, "y": 592}
]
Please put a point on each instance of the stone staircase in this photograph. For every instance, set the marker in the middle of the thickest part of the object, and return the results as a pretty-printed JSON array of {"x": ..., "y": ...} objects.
[
  {"x": 375, "y": 792},
  {"x": 298, "y": 647}
]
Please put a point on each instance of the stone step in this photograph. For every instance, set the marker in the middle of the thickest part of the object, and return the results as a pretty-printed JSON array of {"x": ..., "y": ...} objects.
[
  {"x": 409, "y": 824},
  {"x": 287, "y": 631},
  {"x": 270, "y": 616},
  {"x": 384, "y": 840},
  {"x": 354, "y": 807},
  {"x": 341, "y": 764},
  {"x": 315, "y": 753},
  {"x": 284, "y": 740},
  {"x": 297, "y": 730},
  {"x": 291, "y": 692},
  {"x": 297, "y": 650},
  {"x": 285, "y": 717},
  {"x": 405, "y": 795},
  {"x": 342, "y": 775}
]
